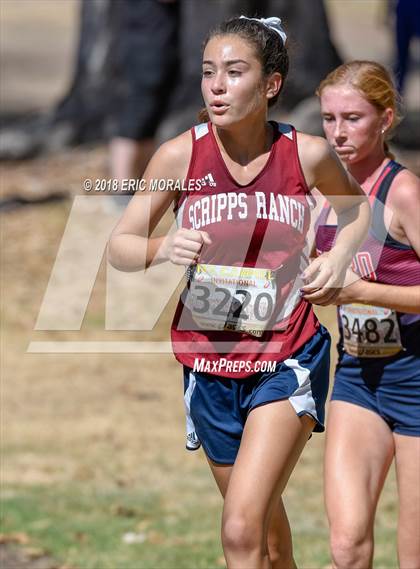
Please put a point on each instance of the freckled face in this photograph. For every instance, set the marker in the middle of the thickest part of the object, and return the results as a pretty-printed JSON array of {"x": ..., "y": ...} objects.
[
  {"x": 351, "y": 124},
  {"x": 232, "y": 84}
]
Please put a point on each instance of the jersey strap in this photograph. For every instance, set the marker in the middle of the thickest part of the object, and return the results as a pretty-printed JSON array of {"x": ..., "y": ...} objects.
[{"x": 380, "y": 192}]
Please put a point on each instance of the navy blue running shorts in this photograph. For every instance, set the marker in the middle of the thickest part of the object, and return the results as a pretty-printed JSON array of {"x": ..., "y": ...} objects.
[
  {"x": 217, "y": 407},
  {"x": 388, "y": 386}
]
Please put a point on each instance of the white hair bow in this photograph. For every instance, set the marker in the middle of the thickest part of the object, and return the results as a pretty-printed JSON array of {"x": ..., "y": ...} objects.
[{"x": 272, "y": 23}]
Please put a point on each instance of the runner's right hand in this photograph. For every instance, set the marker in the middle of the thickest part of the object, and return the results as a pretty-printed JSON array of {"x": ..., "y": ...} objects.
[{"x": 184, "y": 246}]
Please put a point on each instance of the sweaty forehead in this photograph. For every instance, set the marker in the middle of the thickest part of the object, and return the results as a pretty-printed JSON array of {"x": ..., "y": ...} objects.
[
  {"x": 229, "y": 47},
  {"x": 344, "y": 98}
]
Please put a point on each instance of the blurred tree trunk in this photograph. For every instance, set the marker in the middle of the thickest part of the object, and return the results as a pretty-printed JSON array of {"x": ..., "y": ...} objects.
[
  {"x": 92, "y": 91},
  {"x": 312, "y": 51}
]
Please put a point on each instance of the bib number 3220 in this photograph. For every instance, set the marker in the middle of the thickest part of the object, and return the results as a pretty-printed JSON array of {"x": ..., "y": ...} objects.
[{"x": 238, "y": 299}]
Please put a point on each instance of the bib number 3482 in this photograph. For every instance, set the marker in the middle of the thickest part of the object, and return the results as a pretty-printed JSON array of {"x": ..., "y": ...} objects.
[{"x": 370, "y": 331}]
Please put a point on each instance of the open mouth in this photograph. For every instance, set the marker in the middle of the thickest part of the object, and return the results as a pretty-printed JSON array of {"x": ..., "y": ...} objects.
[{"x": 219, "y": 108}]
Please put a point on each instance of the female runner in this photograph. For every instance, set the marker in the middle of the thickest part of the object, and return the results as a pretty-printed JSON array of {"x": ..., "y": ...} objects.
[
  {"x": 375, "y": 410},
  {"x": 242, "y": 236}
]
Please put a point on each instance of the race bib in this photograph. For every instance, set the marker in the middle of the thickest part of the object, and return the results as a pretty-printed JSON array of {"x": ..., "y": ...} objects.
[
  {"x": 238, "y": 299},
  {"x": 370, "y": 331}
]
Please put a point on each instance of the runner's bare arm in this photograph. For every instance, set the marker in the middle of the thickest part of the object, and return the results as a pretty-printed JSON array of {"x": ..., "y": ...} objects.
[
  {"x": 399, "y": 298},
  {"x": 404, "y": 201},
  {"x": 323, "y": 170},
  {"x": 130, "y": 247}
]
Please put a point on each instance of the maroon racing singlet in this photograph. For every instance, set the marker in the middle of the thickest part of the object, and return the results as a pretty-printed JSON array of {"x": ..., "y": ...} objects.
[
  {"x": 242, "y": 298},
  {"x": 369, "y": 331}
]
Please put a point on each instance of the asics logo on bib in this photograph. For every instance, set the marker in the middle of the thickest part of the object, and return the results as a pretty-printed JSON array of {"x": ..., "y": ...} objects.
[{"x": 232, "y": 206}]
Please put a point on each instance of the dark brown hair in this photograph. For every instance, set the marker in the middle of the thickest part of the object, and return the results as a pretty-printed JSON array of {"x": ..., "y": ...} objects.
[{"x": 268, "y": 45}]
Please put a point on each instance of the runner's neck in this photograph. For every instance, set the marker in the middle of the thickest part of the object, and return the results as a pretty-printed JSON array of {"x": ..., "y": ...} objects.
[
  {"x": 367, "y": 170},
  {"x": 245, "y": 144}
]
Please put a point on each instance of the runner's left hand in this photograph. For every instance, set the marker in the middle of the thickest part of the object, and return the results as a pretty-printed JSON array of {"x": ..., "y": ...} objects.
[{"x": 324, "y": 278}]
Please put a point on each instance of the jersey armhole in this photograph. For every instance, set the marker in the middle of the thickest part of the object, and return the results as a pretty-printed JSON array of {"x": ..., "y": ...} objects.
[
  {"x": 298, "y": 164},
  {"x": 378, "y": 229},
  {"x": 193, "y": 153},
  {"x": 184, "y": 193}
]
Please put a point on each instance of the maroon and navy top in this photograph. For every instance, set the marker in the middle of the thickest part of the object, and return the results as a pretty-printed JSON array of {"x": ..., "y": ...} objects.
[
  {"x": 381, "y": 258},
  {"x": 261, "y": 225}
]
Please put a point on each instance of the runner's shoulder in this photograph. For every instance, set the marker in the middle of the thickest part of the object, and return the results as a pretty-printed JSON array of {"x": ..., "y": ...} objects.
[
  {"x": 314, "y": 150},
  {"x": 172, "y": 157},
  {"x": 405, "y": 191},
  {"x": 316, "y": 157}
]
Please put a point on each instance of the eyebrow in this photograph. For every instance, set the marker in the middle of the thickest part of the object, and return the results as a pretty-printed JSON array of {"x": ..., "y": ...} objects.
[
  {"x": 229, "y": 62},
  {"x": 343, "y": 112}
]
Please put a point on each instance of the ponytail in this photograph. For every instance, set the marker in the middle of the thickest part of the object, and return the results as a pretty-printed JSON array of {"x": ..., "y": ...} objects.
[
  {"x": 388, "y": 152},
  {"x": 203, "y": 115}
]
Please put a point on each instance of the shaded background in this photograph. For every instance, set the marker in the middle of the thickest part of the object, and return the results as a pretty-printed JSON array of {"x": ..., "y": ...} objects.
[{"x": 94, "y": 472}]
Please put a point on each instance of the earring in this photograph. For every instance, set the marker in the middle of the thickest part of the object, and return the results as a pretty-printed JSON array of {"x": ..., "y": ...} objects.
[{"x": 383, "y": 131}]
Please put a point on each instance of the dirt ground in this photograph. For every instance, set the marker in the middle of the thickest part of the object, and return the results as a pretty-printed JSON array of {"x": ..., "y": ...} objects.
[{"x": 13, "y": 556}]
